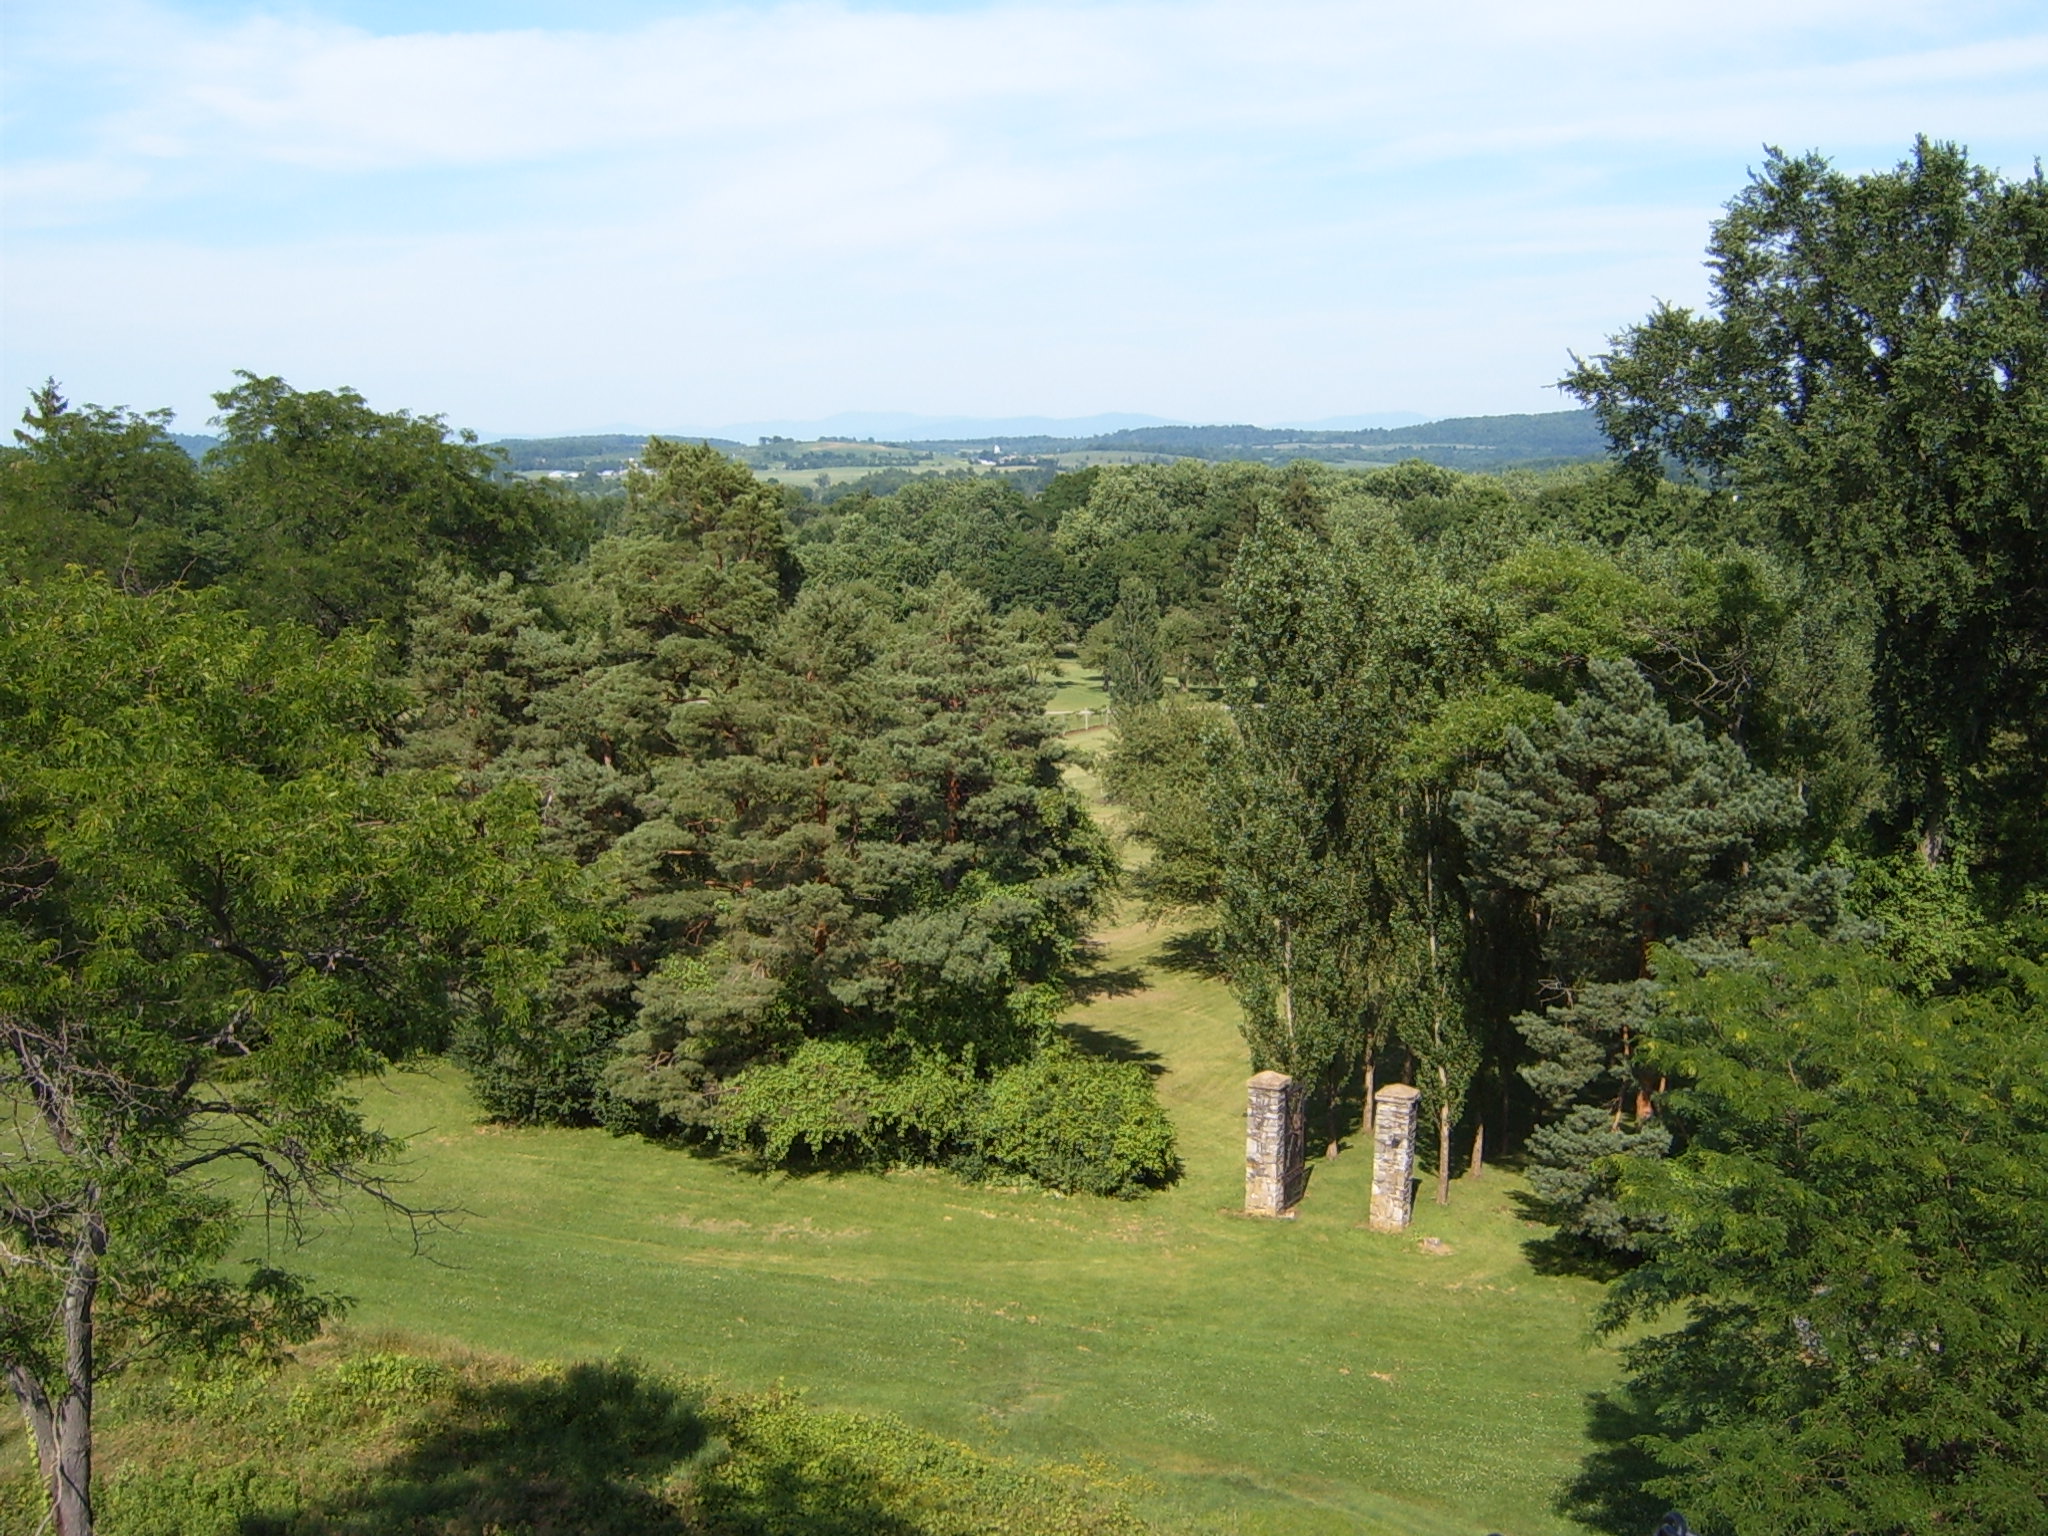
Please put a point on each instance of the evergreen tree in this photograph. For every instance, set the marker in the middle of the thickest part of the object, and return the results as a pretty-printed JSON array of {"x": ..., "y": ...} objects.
[
  {"x": 1616, "y": 829},
  {"x": 1127, "y": 646},
  {"x": 819, "y": 820}
]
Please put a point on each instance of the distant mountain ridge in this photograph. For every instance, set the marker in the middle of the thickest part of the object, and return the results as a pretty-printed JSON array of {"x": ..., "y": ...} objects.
[{"x": 1457, "y": 442}]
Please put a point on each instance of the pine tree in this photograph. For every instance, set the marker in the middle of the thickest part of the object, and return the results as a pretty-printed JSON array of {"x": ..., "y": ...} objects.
[
  {"x": 817, "y": 819},
  {"x": 1616, "y": 829}
]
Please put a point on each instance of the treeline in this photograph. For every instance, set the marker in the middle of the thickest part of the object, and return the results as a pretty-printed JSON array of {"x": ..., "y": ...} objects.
[
  {"x": 822, "y": 813},
  {"x": 1685, "y": 834},
  {"x": 1503, "y": 440},
  {"x": 338, "y": 748}
]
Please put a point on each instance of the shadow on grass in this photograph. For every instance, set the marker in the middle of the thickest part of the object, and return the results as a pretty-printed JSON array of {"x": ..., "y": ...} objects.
[
  {"x": 1607, "y": 1495},
  {"x": 1086, "y": 983},
  {"x": 1198, "y": 952},
  {"x": 597, "y": 1450},
  {"x": 1561, "y": 1254},
  {"x": 1113, "y": 1046}
]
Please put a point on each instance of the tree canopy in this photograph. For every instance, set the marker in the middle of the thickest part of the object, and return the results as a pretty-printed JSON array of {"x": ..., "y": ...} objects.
[
  {"x": 1872, "y": 375},
  {"x": 219, "y": 914},
  {"x": 1853, "y": 1248}
]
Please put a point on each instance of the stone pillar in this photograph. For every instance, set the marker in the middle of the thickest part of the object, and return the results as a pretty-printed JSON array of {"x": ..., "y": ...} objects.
[
  {"x": 1393, "y": 1156},
  {"x": 1272, "y": 1145}
]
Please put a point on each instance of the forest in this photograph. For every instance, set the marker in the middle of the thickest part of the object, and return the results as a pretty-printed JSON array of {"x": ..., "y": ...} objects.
[{"x": 1676, "y": 823}]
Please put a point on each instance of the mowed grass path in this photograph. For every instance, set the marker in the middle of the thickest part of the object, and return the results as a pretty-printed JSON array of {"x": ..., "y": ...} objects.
[{"x": 1260, "y": 1376}]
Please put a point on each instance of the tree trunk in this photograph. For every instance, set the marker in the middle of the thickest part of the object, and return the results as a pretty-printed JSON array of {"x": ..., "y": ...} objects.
[
  {"x": 1367, "y": 1130},
  {"x": 1443, "y": 1150},
  {"x": 63, "y": 1429},
  {"x": 1479, "y": 1150},
  {"x": 1287, "y": 990},
  {"x": 1334, "y": 1126}
]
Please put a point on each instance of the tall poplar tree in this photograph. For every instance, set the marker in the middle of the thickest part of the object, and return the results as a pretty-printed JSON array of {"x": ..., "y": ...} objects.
[{"x": 1341, "y": 914}]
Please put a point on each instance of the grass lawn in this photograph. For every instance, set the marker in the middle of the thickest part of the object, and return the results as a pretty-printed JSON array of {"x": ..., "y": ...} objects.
[
  {"x": 1303, "y": 1376},
  {"x": 1075, "y": 687},
  {"x": 1260, "y": 1376}
]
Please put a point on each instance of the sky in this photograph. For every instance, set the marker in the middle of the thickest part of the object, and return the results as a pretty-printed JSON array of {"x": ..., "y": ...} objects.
[{"x": 541, "y": 218}]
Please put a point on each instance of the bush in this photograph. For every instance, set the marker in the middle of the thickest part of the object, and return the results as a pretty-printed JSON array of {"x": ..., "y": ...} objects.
[
  {"x": 558, "y": 1078},
  {"x": 1074, "y": 1122},
  {"x": 830, "y": 1103},
  {"x": 1061, "y": 1119}
]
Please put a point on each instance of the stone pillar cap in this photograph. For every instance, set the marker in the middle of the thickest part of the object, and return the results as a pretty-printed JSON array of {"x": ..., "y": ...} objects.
[
  {"x": 1395, "y": 1091},
  {"x": 1269, "y": 1080}
]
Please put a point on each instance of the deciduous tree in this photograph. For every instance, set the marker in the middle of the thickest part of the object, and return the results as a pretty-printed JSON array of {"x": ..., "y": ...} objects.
[
  {"x": 1873, "y": 374},
  {"x": 1853, "y": 1248},
  {"x": 216, "y": 918}
]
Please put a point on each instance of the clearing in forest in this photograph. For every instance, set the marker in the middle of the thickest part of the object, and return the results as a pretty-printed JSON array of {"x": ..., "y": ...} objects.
[{"x": 1259, "y": 1376}]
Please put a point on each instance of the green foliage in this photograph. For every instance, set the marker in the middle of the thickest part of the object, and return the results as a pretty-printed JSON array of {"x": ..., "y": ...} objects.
[
  {"x": 311, "y": 506},
  {"x": 218, "y": 917},
  {"x": 1854, "y": 1240},
  {"x": 1058, "y": 1118},
  {"x": 1159, "y": 773},
  {"x": 1929, "y": 917},
  {"x": 334, "y": 510},
  {"x": 364, "y": 1441},
  {"x": 977, "y": 528},
  {"x": 106, "y": 489},
  {"x": 1078, "y": 1123},
  {"x": 1735, "y": 640},
  {"x": 1127, "y": 647},
  {"x": 830, "y": 1102},
  {"x": 1871, "y": 377},
  {"x": 1339, "y": 896},
  {"x": 819, "y": 815},
  {"x": 1614, "y": 830}
]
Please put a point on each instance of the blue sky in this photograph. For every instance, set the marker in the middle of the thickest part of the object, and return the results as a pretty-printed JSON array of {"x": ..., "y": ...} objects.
[{"x": 535, "y": 217}]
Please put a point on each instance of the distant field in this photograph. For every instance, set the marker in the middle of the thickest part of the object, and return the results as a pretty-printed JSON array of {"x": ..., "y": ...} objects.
[
  {"x": 1263, "y": 1377},
  {"x": 837, "y": 474},
  {"x": 1476, "y": 443}
]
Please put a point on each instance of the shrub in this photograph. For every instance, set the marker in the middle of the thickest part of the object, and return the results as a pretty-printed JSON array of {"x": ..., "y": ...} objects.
[
  {"x": 1074, "y": 1122},
  {"x": 1061, "y": 1119}
]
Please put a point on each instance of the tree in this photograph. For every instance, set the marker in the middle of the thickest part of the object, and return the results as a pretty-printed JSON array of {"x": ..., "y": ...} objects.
[
  {"x": 1873, "y": 376},
  {"x": 1856, "y": 1241},
  {"x": 873, "y": 816},
  {"x": 217, "y": 916},
  {"x": 107, "y": 489},
  {"x": 333, "y": 510},
  {"x": 1159, "y": 773},
  {"x": 820, "y": 814},
  {"x": 1338, "y": 900},
  {"x": 1620, "y": 829},
  {"x": 1126, "y": 646}
]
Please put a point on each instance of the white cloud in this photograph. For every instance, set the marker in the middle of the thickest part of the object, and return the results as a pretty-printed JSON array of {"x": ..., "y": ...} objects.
[{"x": 1213, "y": 208}]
